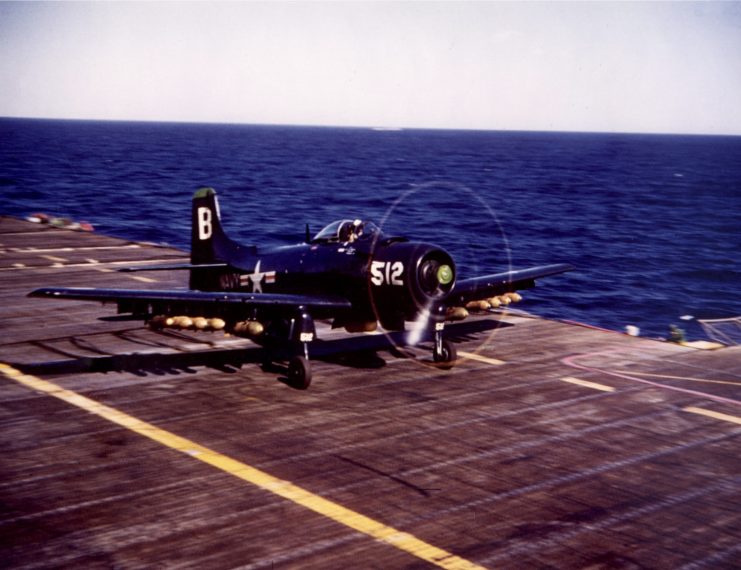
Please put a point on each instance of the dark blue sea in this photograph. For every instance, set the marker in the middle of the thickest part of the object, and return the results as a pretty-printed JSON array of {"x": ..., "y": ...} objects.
[{"x": 652, "y": 222}]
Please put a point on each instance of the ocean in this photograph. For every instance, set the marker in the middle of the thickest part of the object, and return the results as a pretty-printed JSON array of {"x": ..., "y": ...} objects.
[{"x": 651, "y": 222}]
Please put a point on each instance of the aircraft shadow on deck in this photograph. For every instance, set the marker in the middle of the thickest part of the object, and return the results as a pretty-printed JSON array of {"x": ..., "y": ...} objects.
[{"x": 354, "y": 352}]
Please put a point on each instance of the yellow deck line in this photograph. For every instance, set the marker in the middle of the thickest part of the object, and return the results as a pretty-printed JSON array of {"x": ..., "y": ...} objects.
[
  {"x": 712, "y": 414},
  {"x": 587, "y": 384},
  {"x": 485, "y": 359},
  {"x": 379, "y": 531}
]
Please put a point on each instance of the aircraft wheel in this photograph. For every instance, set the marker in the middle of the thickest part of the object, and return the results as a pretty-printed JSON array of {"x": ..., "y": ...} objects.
[
  {"x": 299, "y": 373},
  {"x": 447, "y": 354}
]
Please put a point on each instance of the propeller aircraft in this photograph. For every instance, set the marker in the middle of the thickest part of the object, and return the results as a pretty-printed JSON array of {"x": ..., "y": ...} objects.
[{"x": 350, "y": 272}]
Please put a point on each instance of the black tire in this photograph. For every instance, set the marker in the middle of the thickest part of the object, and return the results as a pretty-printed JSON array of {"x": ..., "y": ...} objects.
[
  {"x": 299, "y": 373},
  {"x": 447, "y": 355}
]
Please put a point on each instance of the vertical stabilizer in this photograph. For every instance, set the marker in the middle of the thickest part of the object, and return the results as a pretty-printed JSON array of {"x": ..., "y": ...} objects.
[{"x": 208, "y": 242}]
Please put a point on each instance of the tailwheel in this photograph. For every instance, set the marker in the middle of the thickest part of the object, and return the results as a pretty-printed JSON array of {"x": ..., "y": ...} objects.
[
  {"x": 445, "y": 354},
  {"x": 299, "y": 373}
]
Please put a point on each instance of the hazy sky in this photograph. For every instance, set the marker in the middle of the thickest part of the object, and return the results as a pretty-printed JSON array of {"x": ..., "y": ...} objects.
[{"x": 628, "y": 66}]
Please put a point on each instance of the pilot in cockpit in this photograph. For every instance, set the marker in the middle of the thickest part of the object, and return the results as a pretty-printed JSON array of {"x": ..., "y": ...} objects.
[{"x": 350, "y": 231}]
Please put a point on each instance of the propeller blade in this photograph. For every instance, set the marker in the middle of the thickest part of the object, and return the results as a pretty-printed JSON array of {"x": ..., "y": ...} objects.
[{"x": 421, "y": 328}]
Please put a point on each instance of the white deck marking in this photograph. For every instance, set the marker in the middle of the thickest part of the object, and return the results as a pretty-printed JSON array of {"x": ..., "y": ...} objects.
[
  {"x": 712, "y": 414},
  {"x": 587, "y": 384},
  {"x": 479, "y": 358}
]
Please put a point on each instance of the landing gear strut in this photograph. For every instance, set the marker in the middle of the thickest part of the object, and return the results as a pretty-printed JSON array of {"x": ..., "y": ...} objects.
[
  {"x": 286, "y": 340},
  {"x": 301, "y": 332},
  {"x": 444, "y": 352}
]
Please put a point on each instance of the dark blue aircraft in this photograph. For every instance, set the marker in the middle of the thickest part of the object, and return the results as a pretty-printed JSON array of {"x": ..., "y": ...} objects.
[{"x": 350, "y": 272}]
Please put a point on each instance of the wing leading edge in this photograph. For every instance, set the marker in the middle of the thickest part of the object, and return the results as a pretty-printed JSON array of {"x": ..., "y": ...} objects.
[
  {"x": 137, "y": 297},
  {"x": 489, "y": 285},
  {"x": 175, "y": 267}
]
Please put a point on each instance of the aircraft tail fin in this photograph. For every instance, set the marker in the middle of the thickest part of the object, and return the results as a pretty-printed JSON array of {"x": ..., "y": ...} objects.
[{"x": 209, "y": 244}]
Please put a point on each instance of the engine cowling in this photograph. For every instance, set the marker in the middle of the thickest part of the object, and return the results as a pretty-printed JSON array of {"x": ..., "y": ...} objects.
[{"x": 407, "y": 278}]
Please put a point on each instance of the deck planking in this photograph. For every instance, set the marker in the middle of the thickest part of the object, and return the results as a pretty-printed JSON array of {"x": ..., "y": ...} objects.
[{"x": 503, "y": 465}]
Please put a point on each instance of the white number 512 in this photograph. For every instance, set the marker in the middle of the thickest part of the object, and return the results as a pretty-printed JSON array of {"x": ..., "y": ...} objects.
[{"x": 387, "y": 272}]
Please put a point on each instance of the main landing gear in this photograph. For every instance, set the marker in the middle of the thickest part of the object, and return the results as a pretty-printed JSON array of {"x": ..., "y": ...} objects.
[
  {"x": 298, "y": 331},
  {"x": 299, "y": 373},
  {"x": 444, "y": 353}
]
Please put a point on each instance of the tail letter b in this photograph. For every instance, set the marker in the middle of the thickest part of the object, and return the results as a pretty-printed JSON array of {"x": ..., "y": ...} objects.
[{"x": 205, "y": 228}]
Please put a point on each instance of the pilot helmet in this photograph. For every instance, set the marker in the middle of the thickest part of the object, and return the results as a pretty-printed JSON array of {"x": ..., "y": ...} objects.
[{"x": 357, "y": 227}]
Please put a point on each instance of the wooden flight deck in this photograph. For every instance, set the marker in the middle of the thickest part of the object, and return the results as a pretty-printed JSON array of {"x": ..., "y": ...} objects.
[{"x": 549, "y": 445}]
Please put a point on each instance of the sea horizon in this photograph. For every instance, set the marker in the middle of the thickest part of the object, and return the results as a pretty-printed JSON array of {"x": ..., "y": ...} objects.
[{"x": 378, "y": 127}]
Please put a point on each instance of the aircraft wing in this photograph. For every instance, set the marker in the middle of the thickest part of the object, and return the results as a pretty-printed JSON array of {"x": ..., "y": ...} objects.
[
  {"x": 204, "y": 302},
  {"x": 485, "y": 286},
  {"x": 174, "y": 267}
]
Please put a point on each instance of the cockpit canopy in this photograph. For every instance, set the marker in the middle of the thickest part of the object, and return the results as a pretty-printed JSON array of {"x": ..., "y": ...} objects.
[{"x": 343, "y": 231}]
